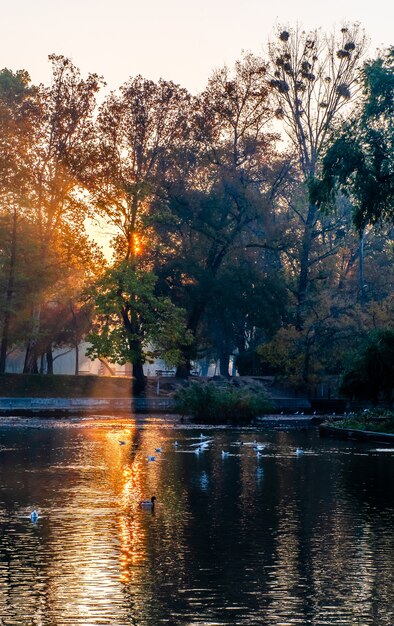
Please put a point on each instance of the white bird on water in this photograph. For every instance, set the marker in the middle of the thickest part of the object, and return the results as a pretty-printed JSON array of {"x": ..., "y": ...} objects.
[
  {"x": 201, "y": 444},
  {"x": 299, "y": 452},
  {"x": 34, "y": 516}
]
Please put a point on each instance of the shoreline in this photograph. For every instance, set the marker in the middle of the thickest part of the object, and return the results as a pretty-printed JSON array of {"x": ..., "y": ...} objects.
[
  {"x": 354, "y": 434},
  {"x": 284, "y": 408},
  {"x": 63, "y": 407}
]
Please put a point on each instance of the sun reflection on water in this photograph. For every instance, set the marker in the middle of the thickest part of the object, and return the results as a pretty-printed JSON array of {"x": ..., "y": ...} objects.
[{"x": 269, "y": 540}]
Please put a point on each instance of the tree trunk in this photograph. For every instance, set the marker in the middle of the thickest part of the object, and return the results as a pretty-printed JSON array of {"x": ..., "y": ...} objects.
[
  {"x": 4, "y": 339},
  {"x": 49, "y": 357},
  {"x": 224, "y": 358},
  {"x": 8, "y": 298},
  {"x": 106, "y": 365},
  {"x": 76, "y": 346},
  {"x": 305, "y": 369},
  {"x": 204, "y": 368},
  {"x": 30, "y": 365},
  {"x": 76, "y": 359},
  {"x": 303, "y": 282},
  {"x": 136, "y": 352},
  {"x": 183, "y": 371},
  {"x": 139, "y": 382},
  {"x": 362, "y": 285},
  {"x": 222, "y": 349}
]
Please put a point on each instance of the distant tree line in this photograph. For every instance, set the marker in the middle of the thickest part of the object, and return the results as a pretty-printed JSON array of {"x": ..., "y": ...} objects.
[{"x": 253, "y": 220}]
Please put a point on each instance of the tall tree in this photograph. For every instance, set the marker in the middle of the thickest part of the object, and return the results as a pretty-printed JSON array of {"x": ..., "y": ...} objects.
[
  {"x": 60, "y": 159},
  {"x": 226, "y": 179},
  {"x": 20, "y": 267},
  {"x": 360, "y": 161},
  {"x": 132, "y": 324},
  {"x": 314, "y": 77},
  {"x": 138, "y": 128},
  {"x": 16, "y": 124}
]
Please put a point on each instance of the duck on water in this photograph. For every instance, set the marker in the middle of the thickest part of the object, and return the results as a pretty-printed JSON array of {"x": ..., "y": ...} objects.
[{"x": 147, "y": 504}]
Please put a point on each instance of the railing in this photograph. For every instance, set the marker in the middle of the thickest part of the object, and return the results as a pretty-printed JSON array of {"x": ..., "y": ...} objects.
[
  {"x": 165, "y": 372},
  {"x": 38, "y": 406},
  {"x": 153, "y": 404},
  {"x": 291, "y": 403}
]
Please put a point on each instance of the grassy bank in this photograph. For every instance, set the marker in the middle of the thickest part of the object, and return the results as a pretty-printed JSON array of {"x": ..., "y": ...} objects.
[
  {"x": 61, "y": 386},
  {"x": 376, "y": 420}
]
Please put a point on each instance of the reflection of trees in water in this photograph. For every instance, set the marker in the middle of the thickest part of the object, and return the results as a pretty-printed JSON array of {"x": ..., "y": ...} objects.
[
  {"x": 370, "y": 482},
  {"x": 153, "y": 544},
  {"x": 304, "y": 539}
]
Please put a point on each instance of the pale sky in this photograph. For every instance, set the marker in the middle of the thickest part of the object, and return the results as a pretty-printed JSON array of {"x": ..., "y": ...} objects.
[{"x": 179, "y": 40}]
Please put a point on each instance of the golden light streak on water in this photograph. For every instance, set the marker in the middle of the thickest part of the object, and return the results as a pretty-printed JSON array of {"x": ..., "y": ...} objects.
[
  {"x": 124, "y": 459},
  {"x": 304, "y": 540}
]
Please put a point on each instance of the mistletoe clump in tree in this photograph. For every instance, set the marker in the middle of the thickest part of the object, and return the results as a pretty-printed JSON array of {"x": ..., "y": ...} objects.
[{"x": 314, "y": 77}]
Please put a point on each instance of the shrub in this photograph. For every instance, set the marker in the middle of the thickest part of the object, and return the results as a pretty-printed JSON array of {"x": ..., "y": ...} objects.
[
  {"x": 208, "y": 403},
  {"x": 376, "y": 420},
  {"x": 370, "y": 374}
]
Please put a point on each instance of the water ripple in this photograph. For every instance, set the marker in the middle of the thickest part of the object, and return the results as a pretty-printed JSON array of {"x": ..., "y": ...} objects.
[{"x": 273, "y": 540}]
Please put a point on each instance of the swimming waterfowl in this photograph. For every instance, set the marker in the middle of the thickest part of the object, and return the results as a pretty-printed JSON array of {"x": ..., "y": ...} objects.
[
  {"x": 299, "y": 451},
  {"x": 201, "y": 444},
  {"x": 147, "y": 504},
  {"x": 225, "y": 454},
  {"x": 34, "y": 516}
]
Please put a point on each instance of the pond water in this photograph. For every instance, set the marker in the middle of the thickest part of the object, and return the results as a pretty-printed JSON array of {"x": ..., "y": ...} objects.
[{"x": 264, "y": 537}]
